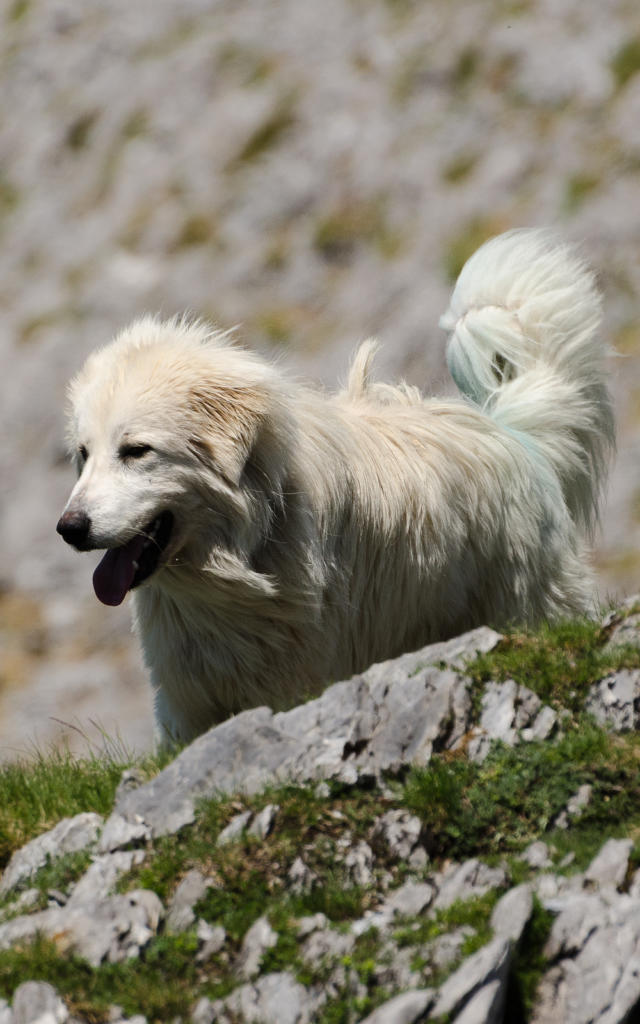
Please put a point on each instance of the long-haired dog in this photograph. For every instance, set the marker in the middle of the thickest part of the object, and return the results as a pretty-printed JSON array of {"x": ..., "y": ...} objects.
[{"x": 277, "y": 538}]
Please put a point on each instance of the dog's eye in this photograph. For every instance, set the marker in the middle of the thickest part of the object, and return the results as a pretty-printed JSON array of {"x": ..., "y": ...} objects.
[
  {"x": 83, "y": 454},
  {"x": 134, "y": 451}
]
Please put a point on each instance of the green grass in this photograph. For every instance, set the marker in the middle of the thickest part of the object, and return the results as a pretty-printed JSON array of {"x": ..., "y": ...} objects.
[
  {"x": 197, "y": 229},
  {"x": 513, "y": 797},
  {"x": 558, "y": 662},
  {"x": 529, "y": 961},
  {"x": 578, "y": 188},
  {"x": 249, "y": 874},
  {"x": 162, "y": 980},
  {"x": 9, "y": 196},
  {"x": 268, "y": 134},
  {"x": 460, "y": 168},
  {"x": 79, "y": 132},
  {"x": 474, "y": 913},
  {"x": 626, "y": 62},
  {"x": 35, "y": 795},
  {"x": 339, "y": 234}
]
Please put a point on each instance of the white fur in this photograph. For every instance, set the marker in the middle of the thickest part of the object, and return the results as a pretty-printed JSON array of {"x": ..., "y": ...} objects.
[{"x": 315, "y": 534}]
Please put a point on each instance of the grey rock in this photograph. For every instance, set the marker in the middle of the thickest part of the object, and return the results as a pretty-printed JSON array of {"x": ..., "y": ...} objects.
[
  {"x": 609, "y": 867},
  {"x": 579, "y": 800},
  {"x": 313, "y": 923},
  {"x": 103, "y": 930},
  {"x": 489, "y": 964},
  {"x": 507, "y": 707},
  {"x": 180, "y": 913},
  {"x": 259, "y": 938},
  {"x": 130, "y": 779},
  {"x": 102, "y": 874},
  {"x": 615, "y": 700},
  {"x": 204, "y": 1012},
  {"x": 595, "y": 943},
  {"x": 486, "y": 1006},
  {"x": 394, "y": 969},
  {"x": 391, "y": 715},
  {"x": 509, "y": 713},
  {"x": 358, "y": 865},
  {"x": 462, "y": 881},
  {"x": 234, "y": 829},
  {"x": 263, "y": 822},
  {"x": 543, "y": 725},
  {"x": 399, "y": 833},
  {"x": 119, "y": 833},
  {"x": 24, "y": 901},
  {"x": 418, "y": 859},
  {"x": 403, "y": 1009},
  {"x": 211, "y": 938},
  {"x": 512, "y": 912},
  {"x": 300, "y": 877},
  {"x": 536, "y": 855},
  {"x": 325, "y": 943},
  {"x": 273, "y": 999},
  {"x": 445, "y": 949},
  {"x": 578, "y": 919},
  {"x": 575, "y": 807},
  {"x": 553, "y": 890},
  {"x": 69, "y": 836},
  {"x": 379, "y": 919},
  {"x": 36, "y": 1002},
  {"x": 459, "y": 651},
  {"x": 116, "y": 1015},
  {"x": 410, "y": 899},
  {"x": 6, "y": 1016},
  {"x": 626, "y": 631},
  {"x": 567, "y": 859}
]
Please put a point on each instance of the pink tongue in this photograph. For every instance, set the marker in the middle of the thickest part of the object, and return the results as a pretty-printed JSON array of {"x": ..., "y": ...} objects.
[{"x": 114, "y": 575}]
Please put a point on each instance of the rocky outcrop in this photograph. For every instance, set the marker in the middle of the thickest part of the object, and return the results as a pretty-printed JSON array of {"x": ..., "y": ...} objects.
[{"x": 362, "y": 732}]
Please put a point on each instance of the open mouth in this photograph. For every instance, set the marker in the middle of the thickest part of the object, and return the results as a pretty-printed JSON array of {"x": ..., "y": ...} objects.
[{"x": 125, "y": 567}]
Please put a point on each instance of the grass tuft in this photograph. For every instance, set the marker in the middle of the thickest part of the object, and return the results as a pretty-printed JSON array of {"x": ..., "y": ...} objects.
[
  {"x": 268, "y": 134},
  {"x": 338, "y": 235},
  {"x": 35, "y": 795},
  {"x": 626, "y": 62},
  {"x": 513, "y": 797},
  {"x": 529, "y": 963},
  {"x": 558, "y": 662}
]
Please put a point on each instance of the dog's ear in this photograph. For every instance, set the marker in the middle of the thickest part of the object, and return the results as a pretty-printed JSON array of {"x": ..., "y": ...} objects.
[{"x": 226, "y": 421}]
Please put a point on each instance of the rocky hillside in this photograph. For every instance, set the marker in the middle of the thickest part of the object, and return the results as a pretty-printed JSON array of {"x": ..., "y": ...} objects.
[
  {"x": 314, "y": 172},
  {"x": 449, "y": 837}
]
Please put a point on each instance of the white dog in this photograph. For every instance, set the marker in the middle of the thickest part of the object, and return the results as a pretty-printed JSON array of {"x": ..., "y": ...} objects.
[{"x": 277, "y": 538}]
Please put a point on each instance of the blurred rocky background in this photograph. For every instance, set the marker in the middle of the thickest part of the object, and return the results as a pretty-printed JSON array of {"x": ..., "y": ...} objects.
[{"x": 313, "y": 172}]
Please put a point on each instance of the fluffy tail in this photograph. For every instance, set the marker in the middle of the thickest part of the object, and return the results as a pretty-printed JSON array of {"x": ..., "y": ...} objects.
[{"x": 524, "y": 344}]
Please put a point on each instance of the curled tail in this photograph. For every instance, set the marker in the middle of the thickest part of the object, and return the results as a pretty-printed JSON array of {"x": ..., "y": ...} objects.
[{"x": 524, "y": 344}]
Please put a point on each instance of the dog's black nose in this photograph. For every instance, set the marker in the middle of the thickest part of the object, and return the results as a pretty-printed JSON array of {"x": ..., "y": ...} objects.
[{"x": 74, "y": 527}]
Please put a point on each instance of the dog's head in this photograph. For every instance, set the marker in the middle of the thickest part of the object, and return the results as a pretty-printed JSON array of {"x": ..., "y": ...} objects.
[{"x": 171, "y": 429}]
